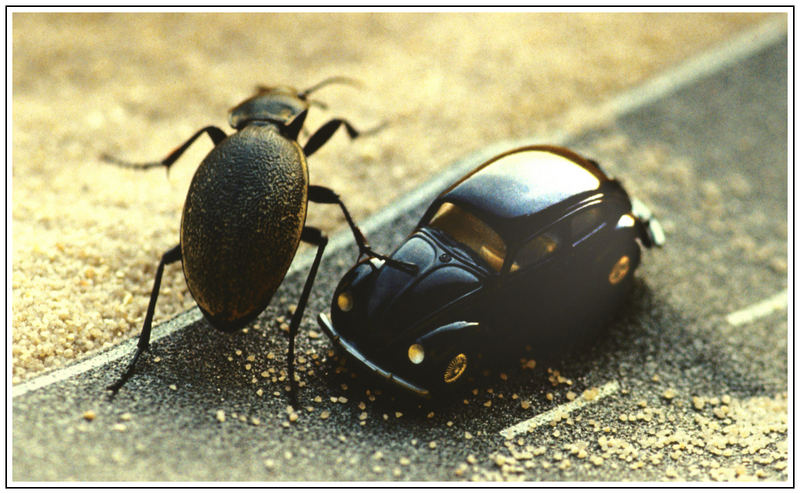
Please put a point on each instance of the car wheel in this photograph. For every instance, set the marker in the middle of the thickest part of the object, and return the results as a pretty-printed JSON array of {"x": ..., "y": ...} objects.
[
  {"x": 455, "y": 369},
  {"x": 452, "y": 374}
]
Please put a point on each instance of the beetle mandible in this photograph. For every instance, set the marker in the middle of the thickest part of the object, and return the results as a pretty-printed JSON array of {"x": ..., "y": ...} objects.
[{"x": 245, "y": 212}]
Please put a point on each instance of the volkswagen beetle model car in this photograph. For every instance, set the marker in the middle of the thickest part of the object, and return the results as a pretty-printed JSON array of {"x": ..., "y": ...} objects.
[{"x": 537, "y": 246}]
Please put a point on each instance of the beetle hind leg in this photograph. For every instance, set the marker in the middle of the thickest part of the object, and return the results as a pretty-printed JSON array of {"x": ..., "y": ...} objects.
[{"x": 172, "y": 255}]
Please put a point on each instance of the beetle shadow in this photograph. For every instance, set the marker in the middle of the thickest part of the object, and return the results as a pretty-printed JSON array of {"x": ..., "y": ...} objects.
[{"x": 205, "y": 362}]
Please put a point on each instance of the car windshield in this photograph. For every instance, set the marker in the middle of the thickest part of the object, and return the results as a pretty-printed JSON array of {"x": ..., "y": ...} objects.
[{"x": 468, "y": 230}]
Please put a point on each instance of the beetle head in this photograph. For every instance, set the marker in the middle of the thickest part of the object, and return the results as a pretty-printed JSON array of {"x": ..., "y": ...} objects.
[
  {"x": 280, "y": 105},
  {"x": 283, "y": 106}
]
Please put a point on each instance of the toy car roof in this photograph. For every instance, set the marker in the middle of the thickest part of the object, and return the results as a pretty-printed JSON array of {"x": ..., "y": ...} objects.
[{"x": 509, "y": 189}]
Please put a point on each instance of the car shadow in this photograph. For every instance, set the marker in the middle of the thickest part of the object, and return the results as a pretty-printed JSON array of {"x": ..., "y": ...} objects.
[{"x": 649, "y": 345}]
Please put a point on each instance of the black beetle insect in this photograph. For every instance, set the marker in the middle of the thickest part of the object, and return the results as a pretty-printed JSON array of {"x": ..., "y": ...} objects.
[
  {"x": 245, "y": 212},
  {"x": 536, "y": 246}
]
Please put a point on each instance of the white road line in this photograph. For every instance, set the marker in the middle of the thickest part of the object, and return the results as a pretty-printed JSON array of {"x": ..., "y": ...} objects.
[
  {"x": 703, "y": 65},
  {"x": 550, "y": 415},
  {"x": 764, "y": 308},
  {"x": 729, "y": 53},
  {"x": 124, "y": 349}
]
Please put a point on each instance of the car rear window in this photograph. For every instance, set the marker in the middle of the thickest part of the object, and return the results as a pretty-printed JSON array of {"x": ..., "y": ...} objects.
[{"x": 466, "y": 229}]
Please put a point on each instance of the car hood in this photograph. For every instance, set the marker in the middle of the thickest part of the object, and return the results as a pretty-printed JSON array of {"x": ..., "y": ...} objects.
[{"x": 390, "y": 302}]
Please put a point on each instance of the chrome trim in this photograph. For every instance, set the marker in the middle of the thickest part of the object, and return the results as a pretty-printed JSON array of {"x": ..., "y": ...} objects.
[{"x": 327, "y": 326}]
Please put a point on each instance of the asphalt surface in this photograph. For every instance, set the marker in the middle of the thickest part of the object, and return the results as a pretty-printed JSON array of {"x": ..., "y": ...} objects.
[{"x": 709, "y": 159}]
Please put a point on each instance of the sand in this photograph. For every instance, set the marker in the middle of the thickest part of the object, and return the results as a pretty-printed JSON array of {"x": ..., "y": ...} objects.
[{"x": 87, "y": 236}]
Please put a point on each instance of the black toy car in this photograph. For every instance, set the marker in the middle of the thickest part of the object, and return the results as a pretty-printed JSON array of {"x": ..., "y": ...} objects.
[{"x": 537, "y": 247}]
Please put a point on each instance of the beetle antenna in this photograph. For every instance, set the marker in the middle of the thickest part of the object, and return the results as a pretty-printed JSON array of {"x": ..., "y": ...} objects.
[
  {"x": 318, "y": 104},
  {"x": 330, "y": 80}
]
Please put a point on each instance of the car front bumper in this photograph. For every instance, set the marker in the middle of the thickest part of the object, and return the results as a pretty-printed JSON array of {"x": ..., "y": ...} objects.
[{"x": 352, "y": 351}]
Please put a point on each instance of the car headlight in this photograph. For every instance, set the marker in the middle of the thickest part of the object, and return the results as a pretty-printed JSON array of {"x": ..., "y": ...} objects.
[
  {"x": 345, "y": 301},
  {"x": 416, "y": 354}
]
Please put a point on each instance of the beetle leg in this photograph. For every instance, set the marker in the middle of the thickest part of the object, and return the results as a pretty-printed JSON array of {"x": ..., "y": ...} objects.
[
  {"x": 316, "y": 237},
  {"x": 172, "y": 255},
  {"x": 324, "y": 133},
  {"x": 324, "y": 195},
  {"x": 214, "y": 133}
]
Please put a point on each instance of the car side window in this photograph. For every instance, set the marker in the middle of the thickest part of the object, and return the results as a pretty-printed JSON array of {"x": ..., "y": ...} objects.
[
  {"x": 585, "y": 222},
  {"x": 535, "y": 250},
  {"x": 465, "y": 228}
]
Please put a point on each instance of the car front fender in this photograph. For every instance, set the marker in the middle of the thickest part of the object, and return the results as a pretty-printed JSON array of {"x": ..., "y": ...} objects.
[{"x": 459, "y": 336}]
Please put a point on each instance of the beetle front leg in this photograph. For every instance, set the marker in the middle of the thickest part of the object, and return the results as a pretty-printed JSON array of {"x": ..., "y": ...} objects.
[
  {"x": 316, "y": 237},
  {"x": 324, "y": 195},
  {"x": 214, "y": 133},
  {"x": 172, "y": 255}
]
